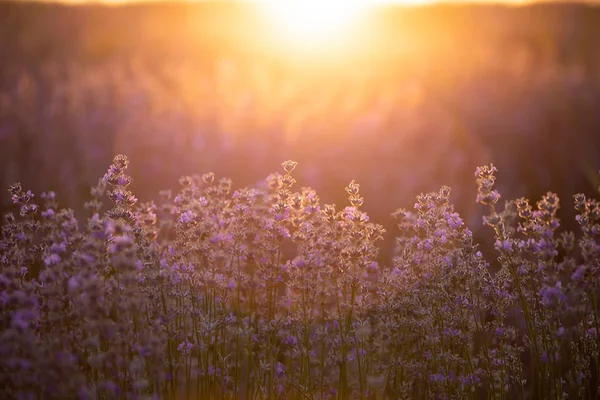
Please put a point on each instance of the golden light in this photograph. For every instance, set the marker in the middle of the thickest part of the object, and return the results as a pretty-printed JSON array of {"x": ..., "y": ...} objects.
[{"x": 313, "y": 22}]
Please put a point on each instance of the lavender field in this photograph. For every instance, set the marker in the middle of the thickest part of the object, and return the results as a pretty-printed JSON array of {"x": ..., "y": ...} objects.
[{"x": 436, "y": 235}]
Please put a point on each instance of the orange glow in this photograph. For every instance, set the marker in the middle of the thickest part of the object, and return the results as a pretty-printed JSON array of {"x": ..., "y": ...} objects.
[{"x": 313, "y": 22}]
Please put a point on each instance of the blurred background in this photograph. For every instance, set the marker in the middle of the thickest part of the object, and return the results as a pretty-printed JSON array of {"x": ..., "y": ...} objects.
[{"x": 402, "y": 97}]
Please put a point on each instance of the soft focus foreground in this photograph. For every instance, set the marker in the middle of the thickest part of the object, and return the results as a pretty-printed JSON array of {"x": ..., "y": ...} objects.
[{"x": 267, "y": 293}]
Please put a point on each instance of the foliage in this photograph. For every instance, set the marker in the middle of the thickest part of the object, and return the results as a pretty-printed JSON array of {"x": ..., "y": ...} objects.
[{"x": 264, "y": 292}]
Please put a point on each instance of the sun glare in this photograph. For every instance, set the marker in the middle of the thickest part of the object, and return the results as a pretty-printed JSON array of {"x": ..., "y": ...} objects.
[{"x": 312, "y": 22}]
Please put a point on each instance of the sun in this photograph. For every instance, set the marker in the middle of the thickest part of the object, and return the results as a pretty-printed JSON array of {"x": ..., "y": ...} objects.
[{"x": 313, "y": 22}]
